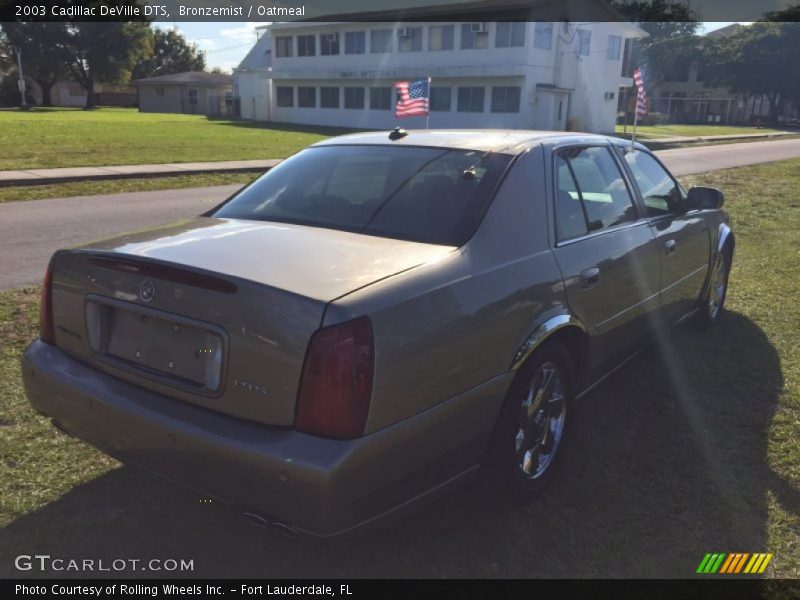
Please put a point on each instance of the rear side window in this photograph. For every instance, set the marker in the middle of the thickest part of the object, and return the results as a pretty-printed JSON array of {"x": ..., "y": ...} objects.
[
  {"x": 430, "y": 195},
  {"x": 661, "y": 193},
  {"x": 591, "y": 193}
]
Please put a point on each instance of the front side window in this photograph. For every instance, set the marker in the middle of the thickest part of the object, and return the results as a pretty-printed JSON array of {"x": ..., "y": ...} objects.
[
  {"x": 441, "y": 98},
  {"x": 329, "y": 44},
  {"x": 354, "y": 97},
  {"x": 285, "y": 96},
  {"x": 380, "y": 98},
  {"x": 470, "y": 99},
  {"x": 543, "y": 36},
  {"x": 510, "y": 34},
  {"x": 409, "y": 39},
  {"x": 306, "y": 97},
  {"x": 329, "y": 97},
  {"x": 474, "y": 36},
  {"x": 283, "y": 46},
  {"x": 419, "y": 194},
  {"x": 592, "y": 177},
  {"x": 354, "y": 42},
  {"x": 661, "y": 193},
  {"x": 584, "y": 42},
  {"x": 306, "y": 45},
  {"x": 440, "y": 37},
  {"x": 505, "y": 99},
  {"x": 380, "y": 41}
]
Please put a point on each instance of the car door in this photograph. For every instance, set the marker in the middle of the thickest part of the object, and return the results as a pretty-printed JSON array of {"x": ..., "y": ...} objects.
[
  {"x": 683, "y": 237},
  {"x": 605, "y": 249}
]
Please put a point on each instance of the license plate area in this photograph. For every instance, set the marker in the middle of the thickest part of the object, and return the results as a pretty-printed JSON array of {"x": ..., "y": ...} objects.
[{"x": 160, "y": 346}]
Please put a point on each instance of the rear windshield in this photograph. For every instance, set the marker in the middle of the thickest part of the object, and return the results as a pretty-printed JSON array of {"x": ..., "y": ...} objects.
[{"x": 430, "y": 195}]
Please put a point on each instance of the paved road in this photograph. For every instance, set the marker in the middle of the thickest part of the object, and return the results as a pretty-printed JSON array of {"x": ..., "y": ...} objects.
[{"x": 31, "y": 231}]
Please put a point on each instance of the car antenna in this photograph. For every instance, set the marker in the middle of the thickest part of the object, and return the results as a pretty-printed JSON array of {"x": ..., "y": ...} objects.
[{"x": 397, "y": 134}]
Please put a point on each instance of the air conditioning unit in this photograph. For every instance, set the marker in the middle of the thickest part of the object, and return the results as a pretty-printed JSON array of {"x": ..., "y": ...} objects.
[
  {"x": 479, "y": 28},
  {"x": 403, "y": 32}
]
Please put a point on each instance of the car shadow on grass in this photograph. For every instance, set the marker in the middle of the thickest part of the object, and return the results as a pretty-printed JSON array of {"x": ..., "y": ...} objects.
[{"x": 667, "y": 461}]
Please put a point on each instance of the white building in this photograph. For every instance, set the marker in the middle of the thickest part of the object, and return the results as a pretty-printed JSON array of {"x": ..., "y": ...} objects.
[
  {"x": 523, "y": 75},
  {"x": 250, "y": 79}
]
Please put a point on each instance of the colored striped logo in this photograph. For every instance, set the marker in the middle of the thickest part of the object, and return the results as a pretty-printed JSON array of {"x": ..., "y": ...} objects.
[{"x": 736, "y": 562}]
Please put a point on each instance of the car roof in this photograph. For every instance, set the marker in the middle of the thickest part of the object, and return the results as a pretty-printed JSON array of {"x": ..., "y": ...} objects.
[{"x": 505, "y": 141}]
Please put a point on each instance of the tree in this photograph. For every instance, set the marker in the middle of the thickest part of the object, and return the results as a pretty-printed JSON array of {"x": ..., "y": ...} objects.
[
  {"x": 42, "y": 53},
  {"x": 671, "y": 44},
  {"x": 105, "y": 52},
  {"x": 754, "y": 60},
  {"x": 220, "y": 71},
  {"x": 171, "y": 54}
]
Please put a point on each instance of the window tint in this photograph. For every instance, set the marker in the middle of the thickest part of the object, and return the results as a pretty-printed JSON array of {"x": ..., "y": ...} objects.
[
  {"x": 354, "y": 97},
  {"x": 380, "y": 98},
  {"x": 470, "y": 99},
  {"x": 283, "y": 46},
  {"x": 570, "y": 218},
  {"x": 505, "y": 99},
  {"x": 660, "y": 192},
  {"x": 598, "y": 183},
  {"x": 411, "y": 41},
  {"x": 306, "y": 45},
  {"x": 380, "y": 41},
  {"x": 419, "y": 194},
  {"x": 473, "y": 36}
]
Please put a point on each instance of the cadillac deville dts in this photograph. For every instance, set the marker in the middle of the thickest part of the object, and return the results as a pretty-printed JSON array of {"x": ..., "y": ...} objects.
[{"x": 377, "y": 319}]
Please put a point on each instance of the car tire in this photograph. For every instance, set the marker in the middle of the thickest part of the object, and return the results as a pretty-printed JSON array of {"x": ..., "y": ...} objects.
[
  {"x": 530, "y": 434},
  {"x": 713, "y": 304}
]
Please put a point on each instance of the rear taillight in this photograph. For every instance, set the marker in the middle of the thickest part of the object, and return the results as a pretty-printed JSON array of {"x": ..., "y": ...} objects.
[
  {"x": 46, "y": 329},
  {"x": 336, "y": 386}
]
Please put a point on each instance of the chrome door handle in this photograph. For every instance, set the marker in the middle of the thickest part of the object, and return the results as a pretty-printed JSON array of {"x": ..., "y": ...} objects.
[
  {"x": 590, "y": 277},
  {"x": 670, "y": 246}
]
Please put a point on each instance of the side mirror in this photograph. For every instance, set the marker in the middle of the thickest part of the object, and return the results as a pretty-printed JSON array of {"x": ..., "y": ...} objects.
[{"x": 703, "y": 198}]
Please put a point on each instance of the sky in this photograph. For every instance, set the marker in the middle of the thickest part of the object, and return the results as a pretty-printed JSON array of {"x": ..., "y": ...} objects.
[{"x": 226, "y": 44}]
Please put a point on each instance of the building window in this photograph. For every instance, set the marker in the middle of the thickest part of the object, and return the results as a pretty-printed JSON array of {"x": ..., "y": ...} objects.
[
  {"x": 380, "y": 41},
  {"x": 470, "y": 99},
  {"x": 307, "y": 97},
  {"x": 192, "y": 96},
  {"x": 380, "y": 98},
  {"x": 306, "y": 45},
  {"x": 441, "y": 99},
  {"x": 329, "y": 97},
  {"x": 354, "y": 42},
  {"x": 474, "y": 36},
  {"x": 614, "y": 46},
  {"x": 285, "y": 96},
  {"x": 329, "y": 44},
  {"x": 584, "y": 42},
  {"x": 409, "y": 39},
  {"x": 159, "y": 91},
  {"x": 440, "y": 37},
  {"x": 505, "y": 99},
  {"x": 510, "y": 35},
  {"x": 283, "y": 46},
  {"x": 354, "y": 97},
  {"x": 543, "y": 36}
]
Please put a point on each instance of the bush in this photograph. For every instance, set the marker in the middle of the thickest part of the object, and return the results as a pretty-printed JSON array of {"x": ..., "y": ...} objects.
[
  {"x": 9, "y": 92},
  {"x": 654, "y": 118}
]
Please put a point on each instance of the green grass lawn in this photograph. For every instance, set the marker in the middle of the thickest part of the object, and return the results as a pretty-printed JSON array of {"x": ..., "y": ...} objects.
[
  {"x": 118, "y": 186},
  {"x": 657, "y": 131},
  {"x": 692, "y": 447},
  {"x": 63, "y": 137}
]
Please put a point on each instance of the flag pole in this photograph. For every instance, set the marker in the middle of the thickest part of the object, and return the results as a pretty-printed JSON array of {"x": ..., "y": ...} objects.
[
  {"x": 635, "y": 120},
  {"x": 428, "y": 116}
]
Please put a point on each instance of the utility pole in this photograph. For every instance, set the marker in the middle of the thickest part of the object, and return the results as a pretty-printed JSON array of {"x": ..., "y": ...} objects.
[{"x": 21, "y": 82}]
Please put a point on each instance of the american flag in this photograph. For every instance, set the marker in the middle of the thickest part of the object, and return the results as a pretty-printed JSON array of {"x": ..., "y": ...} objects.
[
  {"x": 639, "y": 78},
  {"x": 413, "y": 98}
]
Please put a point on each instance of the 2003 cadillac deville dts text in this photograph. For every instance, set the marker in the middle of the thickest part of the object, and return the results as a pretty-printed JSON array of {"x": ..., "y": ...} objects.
[{"x": 377, "y": 319}]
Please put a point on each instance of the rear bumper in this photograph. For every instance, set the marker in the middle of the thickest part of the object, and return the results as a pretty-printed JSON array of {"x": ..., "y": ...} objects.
[{"x": 315, "y": 485}]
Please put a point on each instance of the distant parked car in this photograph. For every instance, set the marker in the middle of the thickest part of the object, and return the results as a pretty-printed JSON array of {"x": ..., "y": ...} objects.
[{"x": 376, "y": 318}]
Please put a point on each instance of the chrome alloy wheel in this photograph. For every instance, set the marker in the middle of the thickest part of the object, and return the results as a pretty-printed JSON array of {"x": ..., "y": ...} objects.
[
  {"x": 541, "y": 421},
  {"x": 718, "y": 285}
]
